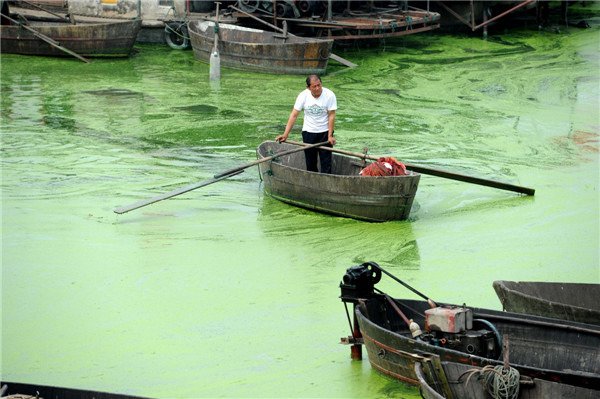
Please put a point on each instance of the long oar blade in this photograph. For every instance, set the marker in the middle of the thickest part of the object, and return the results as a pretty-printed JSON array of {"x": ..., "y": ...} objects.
[
  {"x": 216, "y": 178},
  {"x": 439, "y": 173},
  {"x": 174, "y": 193},
  {"x": 470, "y": 179}
]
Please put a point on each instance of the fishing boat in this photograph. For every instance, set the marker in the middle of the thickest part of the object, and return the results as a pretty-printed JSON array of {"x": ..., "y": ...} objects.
[
  {"x": 343, "y": 192},
  {"x": 464, "y": 352},
  {"x": 107, "y": 39},
  {"x": 578, "y": 302},
  {"x": 458, "y": 374},
  {"x": 258, "y": 50},
  {"x": 18, "y": 390}
]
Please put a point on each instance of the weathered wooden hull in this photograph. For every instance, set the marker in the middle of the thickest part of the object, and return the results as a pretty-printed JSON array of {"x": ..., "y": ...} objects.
[
  {"x": 49, "y": 392},
  {"x": 566, "y": 301},
  {"x": 260, "y": 51},
  {"x": 343, "y": 192},
  {"x": 534, "y": 388},
  {"x": 111, "y": 39},
  {"x": 565, "y": 358}
]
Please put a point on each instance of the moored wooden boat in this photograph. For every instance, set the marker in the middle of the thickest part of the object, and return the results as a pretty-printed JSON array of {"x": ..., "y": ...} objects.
[
  {"x": 457, "y": 374},
  {"x": 342, "y": 193},
  {"x": 22, "y": 391},
  {"x": 260, "y": 51},
  {"x": 460, "y": 346},
  {"x": 578, "y": 302},
  {"x": 107, "y": 39}
]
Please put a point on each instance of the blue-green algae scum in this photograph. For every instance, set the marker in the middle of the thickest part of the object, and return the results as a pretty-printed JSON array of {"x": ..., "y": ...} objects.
[{"x": 225, "y": 292}]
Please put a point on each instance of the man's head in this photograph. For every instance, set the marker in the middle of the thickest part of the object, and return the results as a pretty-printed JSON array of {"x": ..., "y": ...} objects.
[{"x": 313, "y": 83}]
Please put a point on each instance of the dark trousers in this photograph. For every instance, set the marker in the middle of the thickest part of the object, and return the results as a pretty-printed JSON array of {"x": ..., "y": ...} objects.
[{"x": 311, "y": 154}]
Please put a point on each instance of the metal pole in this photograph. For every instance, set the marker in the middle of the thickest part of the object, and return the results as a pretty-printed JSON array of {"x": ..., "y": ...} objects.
[
  {"x": 503, "y": 14},
  {"x": 472, "y": 15},
  {"x": 485, "y": 28}
]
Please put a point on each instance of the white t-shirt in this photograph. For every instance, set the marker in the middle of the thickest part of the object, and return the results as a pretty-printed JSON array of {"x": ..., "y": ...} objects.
[{"x": 316, "y": 110}]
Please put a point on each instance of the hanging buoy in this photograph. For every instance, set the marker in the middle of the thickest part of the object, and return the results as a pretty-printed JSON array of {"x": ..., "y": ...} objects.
[
  {"x": 215, "y": 60},
  {"x": 177, "y": 36},
  {"x": 215, "y": 65}
]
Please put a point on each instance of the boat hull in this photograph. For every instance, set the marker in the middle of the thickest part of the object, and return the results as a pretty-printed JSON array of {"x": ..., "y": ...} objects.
[
  {"x": 566, "y": 301},
  {"x": 260, "y": 51},
  {"x": 342, "y": 193},
  {"x": 113, "y": 39},
  {"x": 530, "y": 388},
  {"x": 22, "y": 390},
  {"x": 540, "y": 348}
]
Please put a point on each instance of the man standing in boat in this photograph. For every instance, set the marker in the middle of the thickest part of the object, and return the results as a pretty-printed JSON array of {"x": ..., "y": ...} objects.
[{"x": 319, "y": 105}]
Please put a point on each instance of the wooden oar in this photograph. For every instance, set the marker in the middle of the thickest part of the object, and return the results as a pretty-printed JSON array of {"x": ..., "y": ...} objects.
[
  {"x": 216, "y": 178},
  {"x": 438, "y": 173},
  {"x": 47, "y": 39}
]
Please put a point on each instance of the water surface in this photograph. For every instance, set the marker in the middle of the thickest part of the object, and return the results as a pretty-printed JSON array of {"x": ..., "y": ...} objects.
[{"x": 224, "y": 292}]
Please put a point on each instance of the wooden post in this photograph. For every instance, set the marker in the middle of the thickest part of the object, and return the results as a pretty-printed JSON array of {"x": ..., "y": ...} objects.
[
  {"x": 505, "y": 351},
  {"x": 485, "y": 27},
  {"x": 356, "y": 349},
  {"x": 472, "y": 16}
]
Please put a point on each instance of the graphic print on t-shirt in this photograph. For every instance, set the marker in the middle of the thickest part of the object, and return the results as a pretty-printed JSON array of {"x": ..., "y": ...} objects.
[{"x": 315, "y": 110}]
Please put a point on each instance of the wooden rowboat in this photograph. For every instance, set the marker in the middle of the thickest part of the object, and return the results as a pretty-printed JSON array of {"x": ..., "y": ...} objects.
[
  {"x": 23, "y": 391},
  {"x": 260, "y": 51},
  {"x": 568, "y": 301},
  {"x": 530, "y": 388},
  {"x": 458, "y": 348},
  {"x": 109, "y": 39},
  {"x": 342, "y": 193}
]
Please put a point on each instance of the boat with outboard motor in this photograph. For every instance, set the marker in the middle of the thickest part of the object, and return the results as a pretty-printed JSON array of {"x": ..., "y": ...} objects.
[{"x": 449, "y": 345}]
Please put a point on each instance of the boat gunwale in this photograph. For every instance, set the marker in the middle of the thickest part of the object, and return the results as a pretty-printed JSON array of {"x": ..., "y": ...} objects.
[
  {"x": 204, "y": 33},
  {"x": 410, "y": 173}
]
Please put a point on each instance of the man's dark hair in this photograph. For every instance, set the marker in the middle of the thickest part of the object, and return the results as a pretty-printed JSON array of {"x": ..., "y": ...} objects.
[{"x": 310, "y": 78}]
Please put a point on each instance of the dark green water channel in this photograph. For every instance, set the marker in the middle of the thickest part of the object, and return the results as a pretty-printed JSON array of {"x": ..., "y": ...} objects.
[{"x": 224, "y": 292}]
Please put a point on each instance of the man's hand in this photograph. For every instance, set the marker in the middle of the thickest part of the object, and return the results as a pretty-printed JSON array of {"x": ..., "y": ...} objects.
[
  {"x": 331, "y": 140},
  {"x": 281, "y": 138}
]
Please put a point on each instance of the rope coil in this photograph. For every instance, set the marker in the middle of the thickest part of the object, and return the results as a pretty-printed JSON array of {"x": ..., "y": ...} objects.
[
  {"x": 500, "y": 383},
  {"x": 504, "y": 385}
]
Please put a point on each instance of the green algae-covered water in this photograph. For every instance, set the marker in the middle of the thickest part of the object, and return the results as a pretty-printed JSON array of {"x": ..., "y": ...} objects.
[{"x": 225, "y": 292}]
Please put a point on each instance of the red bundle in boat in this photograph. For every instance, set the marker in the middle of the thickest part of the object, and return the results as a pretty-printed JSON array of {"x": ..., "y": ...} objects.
[{"x": 385, "y": 166}]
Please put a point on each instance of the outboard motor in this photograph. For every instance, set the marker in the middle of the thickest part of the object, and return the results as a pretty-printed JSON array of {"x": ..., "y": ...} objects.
[
  {"x": 359, "y": 281},
  {"x": 358, "y": 285},
  {"x": 455, "y": 328},
  {"x": 448, "y": 326}
]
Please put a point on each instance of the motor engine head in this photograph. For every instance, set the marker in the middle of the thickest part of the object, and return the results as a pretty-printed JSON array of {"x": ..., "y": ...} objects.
[{"x": 359, "y": 281}]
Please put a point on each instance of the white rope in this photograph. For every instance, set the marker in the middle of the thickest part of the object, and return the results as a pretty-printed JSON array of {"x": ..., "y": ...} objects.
[{"x": 502, "y": 383}]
